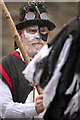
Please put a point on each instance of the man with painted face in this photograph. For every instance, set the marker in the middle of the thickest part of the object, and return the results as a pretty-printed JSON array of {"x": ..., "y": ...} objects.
[
  {"x": 32, "y": 40},
  {"x": 33, "y": 27}
]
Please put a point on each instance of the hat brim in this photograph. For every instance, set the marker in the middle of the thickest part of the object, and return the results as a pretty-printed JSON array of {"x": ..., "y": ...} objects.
[{"x": 40, "y": 22}]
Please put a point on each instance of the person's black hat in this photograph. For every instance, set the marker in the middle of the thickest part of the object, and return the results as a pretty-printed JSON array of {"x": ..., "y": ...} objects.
[{"x": 34, "y": 13}]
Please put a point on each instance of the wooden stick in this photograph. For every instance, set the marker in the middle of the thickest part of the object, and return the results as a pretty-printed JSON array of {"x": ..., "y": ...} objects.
[
  {"x": 17, "y": 37},
  {"x": 39, "y": 89},
  {"x": 15, "y": 33}
]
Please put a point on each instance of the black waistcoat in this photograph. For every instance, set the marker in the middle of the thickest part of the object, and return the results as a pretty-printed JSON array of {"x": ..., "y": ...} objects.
[{"x": 11, "y": 68}]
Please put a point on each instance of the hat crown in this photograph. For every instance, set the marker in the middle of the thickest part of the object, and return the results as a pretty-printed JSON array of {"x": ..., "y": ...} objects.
[
  {"x": 34, "y": 13},
  {"x": 35, "y": 8}
]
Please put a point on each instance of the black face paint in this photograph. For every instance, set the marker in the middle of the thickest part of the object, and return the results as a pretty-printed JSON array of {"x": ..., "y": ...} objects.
[{"x": 43, "y": 36}]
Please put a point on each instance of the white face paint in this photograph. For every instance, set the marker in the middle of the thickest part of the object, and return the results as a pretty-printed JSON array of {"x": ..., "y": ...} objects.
[{"x": 31, "y": 36}]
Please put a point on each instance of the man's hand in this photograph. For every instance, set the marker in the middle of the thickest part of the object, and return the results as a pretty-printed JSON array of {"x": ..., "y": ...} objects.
[{"x": 39, "y": 104}]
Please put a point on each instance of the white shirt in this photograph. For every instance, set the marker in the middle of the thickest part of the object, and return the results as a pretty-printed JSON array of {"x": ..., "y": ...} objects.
[{"x": 10, "y": 109}]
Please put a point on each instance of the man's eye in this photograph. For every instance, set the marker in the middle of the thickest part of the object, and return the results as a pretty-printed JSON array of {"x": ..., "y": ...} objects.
[
  {"x": 32, "y": 31},
  {"x": 43, "y": 31}
]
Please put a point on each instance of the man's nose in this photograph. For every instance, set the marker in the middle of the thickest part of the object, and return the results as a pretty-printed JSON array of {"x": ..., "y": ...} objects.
[{"x": 38, "y": 35}]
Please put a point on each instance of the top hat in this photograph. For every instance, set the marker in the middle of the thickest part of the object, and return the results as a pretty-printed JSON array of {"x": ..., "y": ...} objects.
[{"x": 34, "y": 13}]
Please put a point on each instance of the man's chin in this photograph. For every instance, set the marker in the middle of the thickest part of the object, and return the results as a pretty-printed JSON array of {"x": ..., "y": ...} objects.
[
  {"x": 35, "y": 52},
  {"x": 38, "y": 46}
]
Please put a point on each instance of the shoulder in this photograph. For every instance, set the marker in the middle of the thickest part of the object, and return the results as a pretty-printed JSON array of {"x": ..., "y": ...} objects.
[
  {"x": 9, "y": 55},
  {"x": 8, "y": 60}
]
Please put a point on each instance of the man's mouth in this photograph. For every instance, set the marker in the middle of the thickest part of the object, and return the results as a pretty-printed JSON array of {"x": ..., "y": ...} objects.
[{"x": 37, "y": 43}]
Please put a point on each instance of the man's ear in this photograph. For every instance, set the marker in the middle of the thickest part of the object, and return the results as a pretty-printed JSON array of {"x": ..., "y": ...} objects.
[
  {"x": 20, "y": 32},
  {"x": 48, "y": 32}
]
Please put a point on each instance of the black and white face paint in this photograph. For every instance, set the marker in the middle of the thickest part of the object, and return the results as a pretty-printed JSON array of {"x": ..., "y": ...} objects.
[
  {"x": 38, "y": 34},
  {"x": 31, "y": 36}
]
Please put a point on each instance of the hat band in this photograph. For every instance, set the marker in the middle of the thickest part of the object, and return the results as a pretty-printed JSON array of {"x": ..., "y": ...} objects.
[{"x": 32, "y": 16}]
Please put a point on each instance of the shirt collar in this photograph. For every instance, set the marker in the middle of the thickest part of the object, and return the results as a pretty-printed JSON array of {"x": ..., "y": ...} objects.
[{"x": 18, "y": 50}]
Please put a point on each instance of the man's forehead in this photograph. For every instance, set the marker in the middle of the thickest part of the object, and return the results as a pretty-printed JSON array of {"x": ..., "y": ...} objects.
[{"x": 35, "y": 27}]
